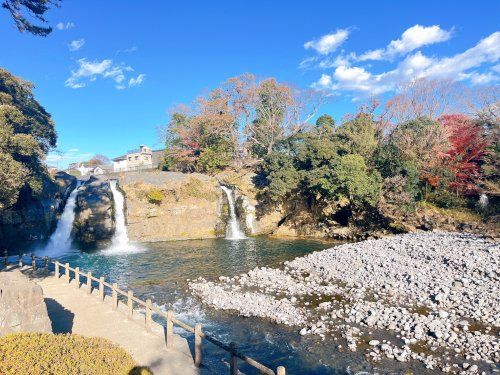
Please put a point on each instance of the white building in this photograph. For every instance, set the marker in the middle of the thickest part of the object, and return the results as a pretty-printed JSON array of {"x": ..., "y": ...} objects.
[{"x": 134, "y": 160}]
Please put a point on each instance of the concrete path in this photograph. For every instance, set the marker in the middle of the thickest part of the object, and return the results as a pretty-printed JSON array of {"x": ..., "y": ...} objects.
[{"x": 75, "y": 311}]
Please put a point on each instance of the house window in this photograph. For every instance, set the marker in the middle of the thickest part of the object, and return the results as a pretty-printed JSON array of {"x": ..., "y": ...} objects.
[
  {"x": 130, "y": 158},
  {"x": 137, "y": 158}
]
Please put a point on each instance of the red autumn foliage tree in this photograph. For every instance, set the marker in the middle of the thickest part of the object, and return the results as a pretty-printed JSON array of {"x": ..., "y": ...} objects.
[{"x": 468, "y": 145}]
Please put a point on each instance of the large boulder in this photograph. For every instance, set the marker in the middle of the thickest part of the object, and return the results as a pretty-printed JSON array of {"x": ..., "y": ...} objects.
[
  {"x": 34, "y": 218},
  {"x": 94, "y": 223},
  {"x": 22, "y": 307}
]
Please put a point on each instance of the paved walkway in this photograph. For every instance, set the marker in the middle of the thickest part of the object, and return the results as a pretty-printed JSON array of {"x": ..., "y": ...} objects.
[{"x": 75, "y": 311}]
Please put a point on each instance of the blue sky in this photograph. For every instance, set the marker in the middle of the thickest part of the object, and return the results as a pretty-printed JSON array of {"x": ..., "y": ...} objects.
[{"x": 110, "y": 70}]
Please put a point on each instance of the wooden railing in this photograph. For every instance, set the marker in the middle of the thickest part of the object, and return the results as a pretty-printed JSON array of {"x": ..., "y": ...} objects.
[{"x": 149, "y": 308}]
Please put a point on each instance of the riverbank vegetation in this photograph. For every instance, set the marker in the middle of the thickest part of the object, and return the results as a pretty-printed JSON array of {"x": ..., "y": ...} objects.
[
  {"x": 435, "y": 142},
  {"x": 45, "y": 353}
]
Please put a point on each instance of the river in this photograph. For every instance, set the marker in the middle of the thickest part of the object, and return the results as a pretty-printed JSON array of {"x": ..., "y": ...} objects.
[{"x": 160, "y": 272}]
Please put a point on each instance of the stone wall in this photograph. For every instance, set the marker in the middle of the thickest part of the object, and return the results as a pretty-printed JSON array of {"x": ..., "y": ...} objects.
[{"x": 22, "y": 307}]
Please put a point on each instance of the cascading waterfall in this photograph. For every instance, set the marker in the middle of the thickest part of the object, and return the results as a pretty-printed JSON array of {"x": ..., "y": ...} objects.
[
  {"x": 120, "y": 242},
  {"x": 233, "y": 231},
  {"x": 483, "y": 201},
  {"x": 60, "y": 241}
]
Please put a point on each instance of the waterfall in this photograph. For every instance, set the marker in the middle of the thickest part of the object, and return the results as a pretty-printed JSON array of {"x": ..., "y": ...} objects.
[
  {"x": 233, "y": 231},
  {"x": 483, "y": 201},
  {"x": 120, "y": 243},
  {"x": 60, "y": 240}
]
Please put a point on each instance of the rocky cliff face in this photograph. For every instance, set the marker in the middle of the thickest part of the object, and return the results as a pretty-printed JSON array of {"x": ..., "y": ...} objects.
[
  {"x": 94, "y": 223},
  {"x": 165, "y": 206},
  {"x": 34, "y": 219},
  {"x": 22, "y": 307}
]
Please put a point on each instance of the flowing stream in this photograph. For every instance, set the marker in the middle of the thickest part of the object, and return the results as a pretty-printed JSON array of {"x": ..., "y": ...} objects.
[
  {"x": 60, "y": 240},
  {"x": 233, "y": 231}
]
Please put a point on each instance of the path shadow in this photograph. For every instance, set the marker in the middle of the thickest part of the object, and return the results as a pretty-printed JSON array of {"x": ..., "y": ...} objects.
[{"x": 61, "y": 318}]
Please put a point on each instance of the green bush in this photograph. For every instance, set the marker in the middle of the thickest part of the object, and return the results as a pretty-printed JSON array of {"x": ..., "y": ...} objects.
[
  {"x": 45, "y": 353},
  {"x": 213, "y": 159},
  {"x": 155, "y": 196},
  {"x": 445, "y": 199}
]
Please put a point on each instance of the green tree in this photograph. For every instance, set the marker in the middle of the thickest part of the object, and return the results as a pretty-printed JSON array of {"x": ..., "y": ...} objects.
[
  {"x": 356, "y": 182},
  {"x": 312, "y": 166},
  {"x": 19, "y": 109},
  {"x": 359, "y": 136},
  {"x": 35, "y": 9},
  {"x": 325, "y": 122},
  {"x": 26, "y": 134}
]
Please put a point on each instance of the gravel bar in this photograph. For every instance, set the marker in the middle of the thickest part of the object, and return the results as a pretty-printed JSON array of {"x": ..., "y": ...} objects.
[{"x": 427, "y": 296}]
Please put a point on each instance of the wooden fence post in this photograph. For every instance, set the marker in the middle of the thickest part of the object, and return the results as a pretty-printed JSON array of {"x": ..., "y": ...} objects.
[
  {"x": 5, "y": 257},
  {"x": 66, "y": 266},
  {"x": 46, "y": 260},
  {"x": 101, "y": 288},
  {"x": 233, "y": 362},
  {"x": 89, "y": 282},
  {"x": 33, "y": 261},
  {"x": 170, "y": 329},
  {"x": 115, "y": 296},
  {"x": 130, "y": 304},
  {"x": 280, "y": 370},
  {"x": 148, "y": 315},
  {"x": 77, "y": 277},
  {"x": 56, "y": 269},
  {"x": 197, "y": 344}
]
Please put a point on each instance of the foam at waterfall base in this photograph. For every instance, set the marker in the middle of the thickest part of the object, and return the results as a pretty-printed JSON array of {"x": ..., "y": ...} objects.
[{"x": 123, "y": 249}]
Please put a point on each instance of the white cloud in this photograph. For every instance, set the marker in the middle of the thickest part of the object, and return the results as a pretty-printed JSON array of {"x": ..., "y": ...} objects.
[
  {"x": 376, "y": 54},
  {"x": 477, "y": 78},
  {"x": 461, "y": 66},
  {"x": 75, "y": 45},
  {"x": 136, "y": 81},
  {"x": 329, "y": 42},
  {"x": 65, "y": 26},
  {"x": 413, "y": 38},
  {"x": 131, "y": 49},
  {"x": 89, "y": 71},
  {"x": 61, "y": 159},
  {"x": 340, "y": 60}
]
